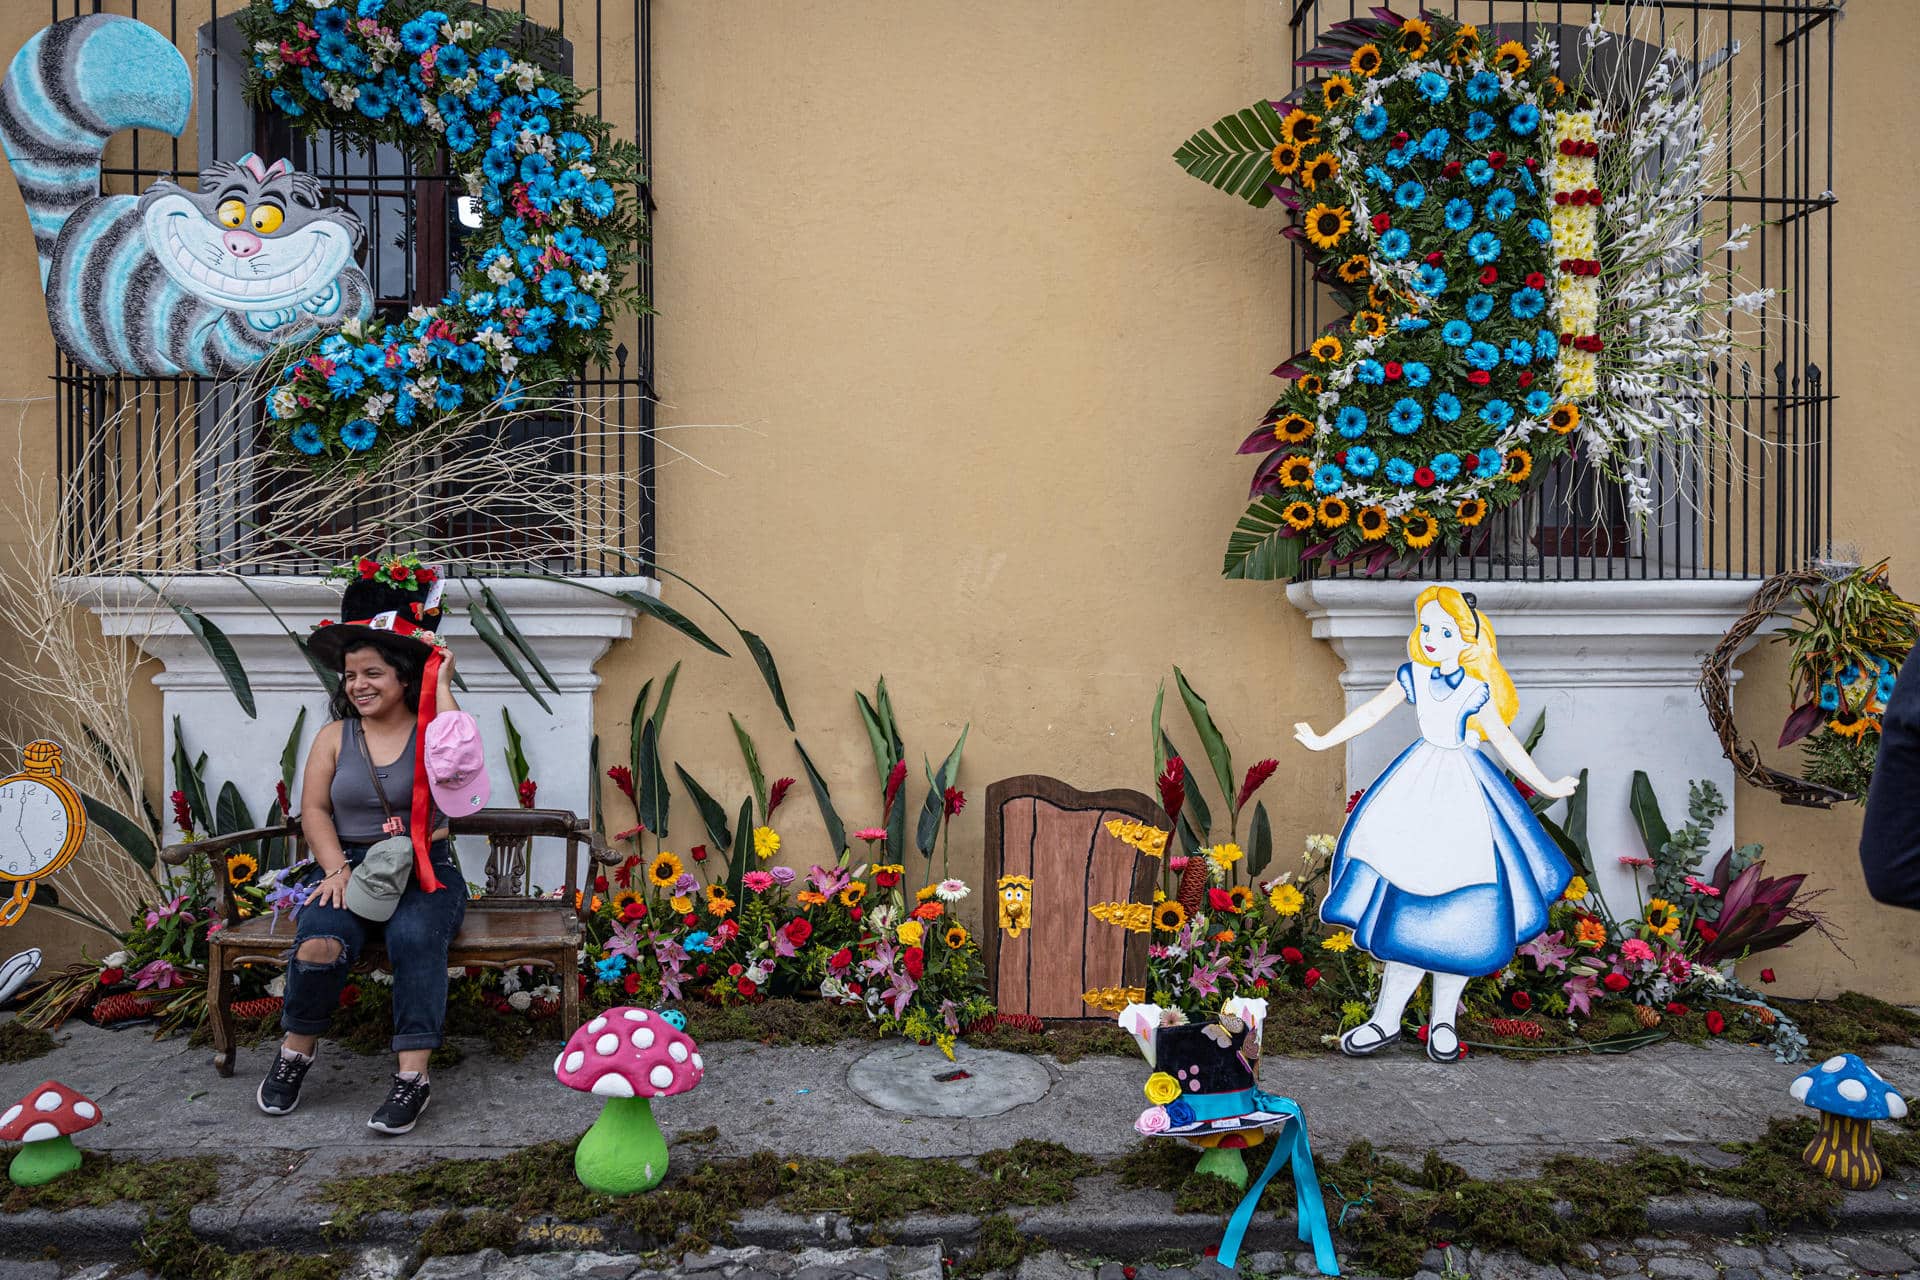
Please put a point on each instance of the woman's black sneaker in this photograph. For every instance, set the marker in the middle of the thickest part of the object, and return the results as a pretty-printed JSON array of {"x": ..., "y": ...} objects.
[
  {"x": 279, "y": 1093},
  {"x": 405, "y": 1101}
]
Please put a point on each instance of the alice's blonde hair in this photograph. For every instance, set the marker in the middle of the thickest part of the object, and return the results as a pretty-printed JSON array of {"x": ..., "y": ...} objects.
[{"x": 1480, "y": 659}]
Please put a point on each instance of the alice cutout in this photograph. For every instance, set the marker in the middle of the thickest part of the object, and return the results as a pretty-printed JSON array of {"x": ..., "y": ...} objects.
[{"x": 1442, "y": 867}]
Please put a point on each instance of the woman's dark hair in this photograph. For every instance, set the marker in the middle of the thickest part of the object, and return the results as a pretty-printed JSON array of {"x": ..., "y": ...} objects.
[{"x": 401, "y": 658}]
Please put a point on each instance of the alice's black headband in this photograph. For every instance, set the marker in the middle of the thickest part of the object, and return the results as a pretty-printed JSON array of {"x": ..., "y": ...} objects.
[{"x": 1473, "y": 607}]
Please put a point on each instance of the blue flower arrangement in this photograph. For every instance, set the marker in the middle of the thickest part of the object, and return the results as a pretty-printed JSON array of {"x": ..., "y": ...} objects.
[{"x": 545, "y": 272}]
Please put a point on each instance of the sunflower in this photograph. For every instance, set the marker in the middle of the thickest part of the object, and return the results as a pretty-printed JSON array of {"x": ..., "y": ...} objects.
[
  {"x": 1300, "y": 127},
  {"x": 851, "y": 895},
  {"x": 718, "y": 903},
  {"x": 1296, "y": 472},
  {"x": 1519, "y": 465},
  {"x": 1466, "y": 45},
  {"x": 1471, "y": 512},
  {"x": 1286, "y": 900},
  {"x": 1321, "y": 168},
  {"x": 242, "y": 867},
  {"x": 1326, "y": 349},
  {"x": 1564, "y": 418},
  {"x": 1335, "y": 91},
  {"x": 1334, "y": 512},
  {"x": 664, "y": 870},
  {"x": 1286, "y": 158},
  {"x": 956, "y": 938},
  {"x": 1377, "y": 298},
  {"x": 1415, "y": 38},
  {"x": 1242, "y": 899},
  {"x": 1326, "y": 223},
  {"x": 1512, "y": 57},
  {"x": 1168, "y": 917},
  {"x": 1661, "y": 918},
  {"x": 1309, "y": 384},
  {"x": 1418, "y": 528},
  {"x": 625, "y": 897},
  {"x": 1365, "y": 60},
  {"x": 1354, "y": 269},
  {"x": 1368, "y": 324},
  {"x": 1292, "y": 428},
  {"x": 1849, "y": 725},
  {"x": 1299, "y": 515},
  {"x": 1372, "y": 523}
]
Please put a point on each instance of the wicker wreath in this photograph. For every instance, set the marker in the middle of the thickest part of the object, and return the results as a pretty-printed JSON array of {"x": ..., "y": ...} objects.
[{"x": 1716, "y": 691}]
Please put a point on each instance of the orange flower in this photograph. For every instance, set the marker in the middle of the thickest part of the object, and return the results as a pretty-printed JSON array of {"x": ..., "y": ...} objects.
[
  {"x": 929, "y": 911},
  {"x": 1590, "y": 932},
  {"x": 809, "y": 898}
]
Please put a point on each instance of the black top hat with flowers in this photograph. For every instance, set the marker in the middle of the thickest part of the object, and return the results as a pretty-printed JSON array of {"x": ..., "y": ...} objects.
[{"x": 395, "y": 599}]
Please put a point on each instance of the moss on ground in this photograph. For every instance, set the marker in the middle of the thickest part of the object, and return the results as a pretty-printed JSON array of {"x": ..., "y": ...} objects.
[
  {"x": 1852, "y": 1023},
  {"x": 159, "y": 1185},
  {"x": 999, "y": 1246},
  {"x": 780, "y": 1022},
  {"x": 23, "y": 1044},
  {"x": 170, "y": 1250}
]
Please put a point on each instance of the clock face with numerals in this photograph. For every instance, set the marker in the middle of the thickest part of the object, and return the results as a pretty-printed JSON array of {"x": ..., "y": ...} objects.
[{"x": 33, "y": 827}]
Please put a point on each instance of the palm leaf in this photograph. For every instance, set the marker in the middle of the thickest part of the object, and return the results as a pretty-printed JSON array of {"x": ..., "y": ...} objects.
[
  {"x": 762, "y": 656},
  {"x": 484, "y": 628},
  {"x": 1646, "y": 815},
  {"x": 126, "y": 833},
  {"x": 516, "y": 755},
  {"x": 1262, "y": 547},
  {"x": 186, "y": 777},
  {"x": 752, "y": 756},
  {"x": 1259, "y": 840},
  {"x": 650, "y": 782},
  {"x": 836, "y": 830},
  {"x": 1210, "y": 740},
  {"x": 519, "y": 641},
  {"x": 218, "y": 647},
  {"x": 936, "y": 803},
  {"x": 712, "y": 816},
  {"x": 1236, "y": 155}
]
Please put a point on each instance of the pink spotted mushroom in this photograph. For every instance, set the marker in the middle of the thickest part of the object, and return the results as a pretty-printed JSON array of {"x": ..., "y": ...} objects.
[
  {"x": 629, "y": 1057},
  {"x": 44, "y": 1121}
]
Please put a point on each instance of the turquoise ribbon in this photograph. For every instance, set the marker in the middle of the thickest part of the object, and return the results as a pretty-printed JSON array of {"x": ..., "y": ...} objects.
[
  {"x": 1220, "y": 1106},
  {"x": 1309, "y": 1208}
]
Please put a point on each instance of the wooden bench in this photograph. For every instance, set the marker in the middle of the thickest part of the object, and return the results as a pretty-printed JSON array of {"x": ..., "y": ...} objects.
[{"x": 505, "y": 926}]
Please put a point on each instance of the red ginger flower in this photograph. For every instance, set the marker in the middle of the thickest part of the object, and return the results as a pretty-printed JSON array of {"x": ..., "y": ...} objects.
[
  {"x": 623, "y": 779},
  {"x": 1173, "y": 788},
  {"x": 956, "y": 800},
  {"x": 527, "y": 790},
  {"x": 895, "y": 776},
  {"x": 182, "y": 812},
  {"x": 1256, "y": 778},
  {"x": 777, "y": 794}
]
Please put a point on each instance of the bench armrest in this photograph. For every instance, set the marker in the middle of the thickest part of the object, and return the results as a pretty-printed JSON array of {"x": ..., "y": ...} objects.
[{"x": 175, "y": 855}]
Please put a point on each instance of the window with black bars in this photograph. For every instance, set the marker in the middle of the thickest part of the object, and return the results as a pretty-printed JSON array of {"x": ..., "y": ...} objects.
[{"x": 136, "y": 473}]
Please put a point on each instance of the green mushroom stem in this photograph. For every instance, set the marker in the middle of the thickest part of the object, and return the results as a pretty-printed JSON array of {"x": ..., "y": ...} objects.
[
  {"x": 1843, "y": 1151},
  {"x": 41, "y": 1162},
  {"x": 624, "y": 1152},
  {"x": 1224, "y": 1162}
]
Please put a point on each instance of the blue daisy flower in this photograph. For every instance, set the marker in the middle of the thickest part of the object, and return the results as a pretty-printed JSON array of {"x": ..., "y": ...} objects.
[
  {"x": 1432, "y": 86},
  {"x": 307, "y": 439},
  {"x": 1362, "y": 461},
  {"x": 537, "y": 124},
  {"x": 547, "y": 98},
  {"x": 334, "y": 51},
  {"x": 1538, "y": 402},
  {"x": 447, "y": 397},
  {"x": 1395, "y": 245},
  {"x": 344, "y": 381},
  {"x": 535, "y": 166},
  {"x": 481, "y": 304},
  {"x": 1500, "y": 205},
  {"x": 412, "y": 108},
  {"x": 1485, "y": 247},
  {"x": 483, "y": 95},
  {"x": 405, "y": 410},
  {"x": 573, "y": 146},
  {"x": 1430, "y": 280},
  {"x": 331, "y": 22},
  {"x": 281, "y": 6},
  {"x": 1490, "y": 462},
  {"x": 1483, "y": 355},
  {"x": 538, "y": 318},
  {"x": 555, "y": 286},
  {"x": 1883, "y": 687},
  {"x": 359, "y": 434},
  {"x": 1328, "y": 478},
  {"x": 1456, "y": 333},
  {"x": 1371, "y": 123},
  {"x": 369, "y": 358},
  {"x": 1539, "y": 230},
  {"x": 1496, "y": 413},
  {"x": 1527, "y": 303},
  {"x": 1479, "y": 127},
  {"x": 1415, "y": 373},
  {"x": 1479, "y": 173},
  {"x": 1479, "y": 307},
  {"x": 571, "y": 185},
  {"x": 1883, "y": 665},
  {"x": 470, "y": 356},
  {"x": 1433, "y": 143},
  {"x": 1399, "y": 157},
  {"x": 461, "y": 137},
  {"x": 370, "y": 8},
  {"x": 1524, "y": 119},
  {"x": 289, "y": 105},
  {"x": 314, "y": 83},
  {"x": 1849, "y": 673},
  {"x": 1399, "y": 471},
  {"x": 498, "y": 165},
  {"x": 1413, "y": 324},
  {"x": 1526, "y": 181},
  {"x": 582, "y": 311},
  {"x": 1520, "y": 351},
  {"x": 1546, "y": 344},
  {"x": 1445, "y": 466},
  {"x": 493, "y": 62},
  {"x": 508, "y": 393},
  {"x": 1829, "y": 698},
  {"x": 1371, "y": 372},
  {"x": 1409, "y": 195},
  {"x": 599, "y": 198},
  {"x": 1484, "y": 87},
  {"x": 452, "y": 62},
  {"x": 1351, "y": 422},
  {"x": 1379, "y": 177},
  {"x": 1407, "y": 416},
  {"x": 418, "y": 36},
  {"x": 569, "y": 241},
  {"x": 610, "y": 969},
  {"x": 541, "y": 193},
  {"x": 372, "y": 102},
  {"x": 1446, "y": 406},
  {"x": 1458, "y": 214}
]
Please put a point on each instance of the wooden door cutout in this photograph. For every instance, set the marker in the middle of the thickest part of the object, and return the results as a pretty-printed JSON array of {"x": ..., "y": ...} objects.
[{"x": 1056, "y": 836}]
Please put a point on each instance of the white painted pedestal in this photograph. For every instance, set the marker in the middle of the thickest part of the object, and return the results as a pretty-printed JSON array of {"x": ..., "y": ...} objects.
[
  {"x": 569, "y": 628},
  {"x": 1613, "y": 664}
]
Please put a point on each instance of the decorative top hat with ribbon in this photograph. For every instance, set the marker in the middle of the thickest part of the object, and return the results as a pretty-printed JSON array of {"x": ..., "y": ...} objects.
[{"x": 1203, "y": 1089}]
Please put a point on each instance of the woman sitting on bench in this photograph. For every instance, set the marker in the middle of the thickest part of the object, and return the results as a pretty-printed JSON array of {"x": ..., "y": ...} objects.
[{"x": 374, "y": 820}]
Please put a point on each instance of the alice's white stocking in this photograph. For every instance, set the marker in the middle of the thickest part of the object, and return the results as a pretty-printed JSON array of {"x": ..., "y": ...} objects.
[
  {"x": 1447, "y": 988},
  {"x": 1398, "y": 982}
]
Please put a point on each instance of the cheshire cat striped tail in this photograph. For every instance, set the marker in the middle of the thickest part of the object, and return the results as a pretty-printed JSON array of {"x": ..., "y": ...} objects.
[{"x": 69, "y": 89}]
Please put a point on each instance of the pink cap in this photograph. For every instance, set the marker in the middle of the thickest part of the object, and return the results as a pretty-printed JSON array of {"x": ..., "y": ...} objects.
[{"x": 457, "y": 764}]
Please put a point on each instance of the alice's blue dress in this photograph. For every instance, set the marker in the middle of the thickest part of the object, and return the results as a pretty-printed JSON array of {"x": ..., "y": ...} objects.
[{"x": 1442, "y": 865}]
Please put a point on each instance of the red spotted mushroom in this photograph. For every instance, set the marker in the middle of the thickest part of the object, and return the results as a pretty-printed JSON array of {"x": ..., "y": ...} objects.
[
  {"x": 629, "y": 1057},
  {"x": 44, "y": 1121}
]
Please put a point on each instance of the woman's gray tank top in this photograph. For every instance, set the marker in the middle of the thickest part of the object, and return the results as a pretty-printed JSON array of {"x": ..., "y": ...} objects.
[{"x": 357, "y": 814}]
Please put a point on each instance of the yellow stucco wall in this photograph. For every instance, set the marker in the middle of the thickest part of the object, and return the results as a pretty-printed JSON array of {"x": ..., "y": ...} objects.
[{"x": 956, "y": 355}]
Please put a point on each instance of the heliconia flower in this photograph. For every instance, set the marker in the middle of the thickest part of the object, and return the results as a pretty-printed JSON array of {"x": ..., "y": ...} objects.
[
  {"x": 1173, "y": 788},
  {"x": 1256, "y": 778},
  {"x": 895, "y": 776},
  {"x": 182, "y": 813},
  {"x": 777, "y": 794}
]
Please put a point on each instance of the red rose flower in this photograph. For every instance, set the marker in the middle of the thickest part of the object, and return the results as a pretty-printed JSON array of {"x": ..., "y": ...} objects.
[
  {"x": 886, "y": 879},
  {"x": 599, "y": 884},
  {"x": 1393, "y": 371},
  {"x": 699, "y": 970},
  {"x": 1291, "y": 955},
  {"x": 1615, "y": 982},
  {"x": 798, "y": 930},
  {"x": 915, "y": 961},
  {"x": 1220, "y": 900},
  {"x": 633, "y": 911},
  {"x": 423, "y": 576},
  {"x": 734, "y": 971},
  {"x": 840, "y": 960},
  {"x": 1766, "y": 975},
  {"x": 1403, "y": 136},
  {"x": 1424, "y": 477},
  {"x": 1536, "y": 280},
  {"x": 1526, "y": 378},
  {"x": 1310, "y": 977},
  {"x": 689, "y": 919},
  {"x": 699, "y": 853},
  {"x": 1479, "y": 377},
  {"x": 1521, "y": 1001},
  {"x": 368, "y": 568},
  {"x": 398, "y": 573},
  {"x": 1490, "y": 276},
  {"x": 631, "y": 983},
  {"x": 856, "y": 912},
  {"x": 1433, "y": 259},
  {"x": 110, "y": 976},
  {"x": 1451, "y": 169},
  {"x": 1715, "y": 1022},
  {"x": 1561, "y": 197},
  {"x": 746, "y": 987},
  {"x": 1381, "y": 222},
  {"x": 1496, "y": 158},
  {"x": 1471, "y": 463},
  {"x": 349, "y": 996},
  {"x": 1677, "y": 1009}
]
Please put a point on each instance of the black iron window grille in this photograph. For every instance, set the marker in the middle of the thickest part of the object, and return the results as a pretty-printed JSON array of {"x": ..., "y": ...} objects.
[
  {"x": 1754, "y": 495},
  {"x": 154, "y": 469}
]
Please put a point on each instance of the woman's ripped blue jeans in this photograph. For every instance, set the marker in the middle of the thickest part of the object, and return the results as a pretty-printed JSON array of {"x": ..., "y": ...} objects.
[{"x": 417, "y": 938}]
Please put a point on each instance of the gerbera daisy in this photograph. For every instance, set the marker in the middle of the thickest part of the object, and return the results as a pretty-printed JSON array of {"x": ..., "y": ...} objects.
[
  {"x": 1286, "y": 900},
  {"x": 1519, "y": 465},
  {"x": 718, "y": 903},
  {"x": 1557, "y": 87},
  {"x": 1564, "y": 418},
  {"x": 1169, "y": 917},
  {"x": 853, "y": 893},
  {"x": 951, "y": 890},
  {"x": 1368, "y": 324},
  {"x": 1334, "y": 512},
  {"x": 808, "y": 898},
  {"x": 1415, "y": 38},
  {"x": 1471, "y": 512},
  {"x": 1285, "y": 157},
  {"x": 1242, "y": 899},
  {"x": 1327, "y": 223},
  {"x": 1354, "y": 269},
  {"x": 929, "y": 911},
  {"x": 1309, "y": 383},
  {"x": 1300, "y": 126},
  {"x": 1337, "y": 942},
  {"x": 1372, "y": 523},
  {"x": 1466, "y": 45},
  {"x": 1326, "y": 349},
  {"x": 766, "y": 842},
  {"x": 1418, "y": 528},
  {"x": 1589, "y": 932},
  {"x": 1296, "y": 472},
  {"x": 924, "y": 894},
  {"x": 241, "y": 867},
  {"x": 1335, "y": 91},
  {"x": 1293, "y": 428},
  {"x": 1299, "y": 515},
  {"x": 1322, "y": 168},
  {"x": 757, "y": 881},
  {"x": 664, "y": 870},
  {"x": 956, "y": 938},
  {"x": 1512, "y": 57},
  {"x": 1365, "y": 60}
]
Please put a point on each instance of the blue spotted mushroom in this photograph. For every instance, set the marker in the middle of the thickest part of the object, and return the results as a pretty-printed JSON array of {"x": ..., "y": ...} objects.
[{"x": 1850, "y": 1096}]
